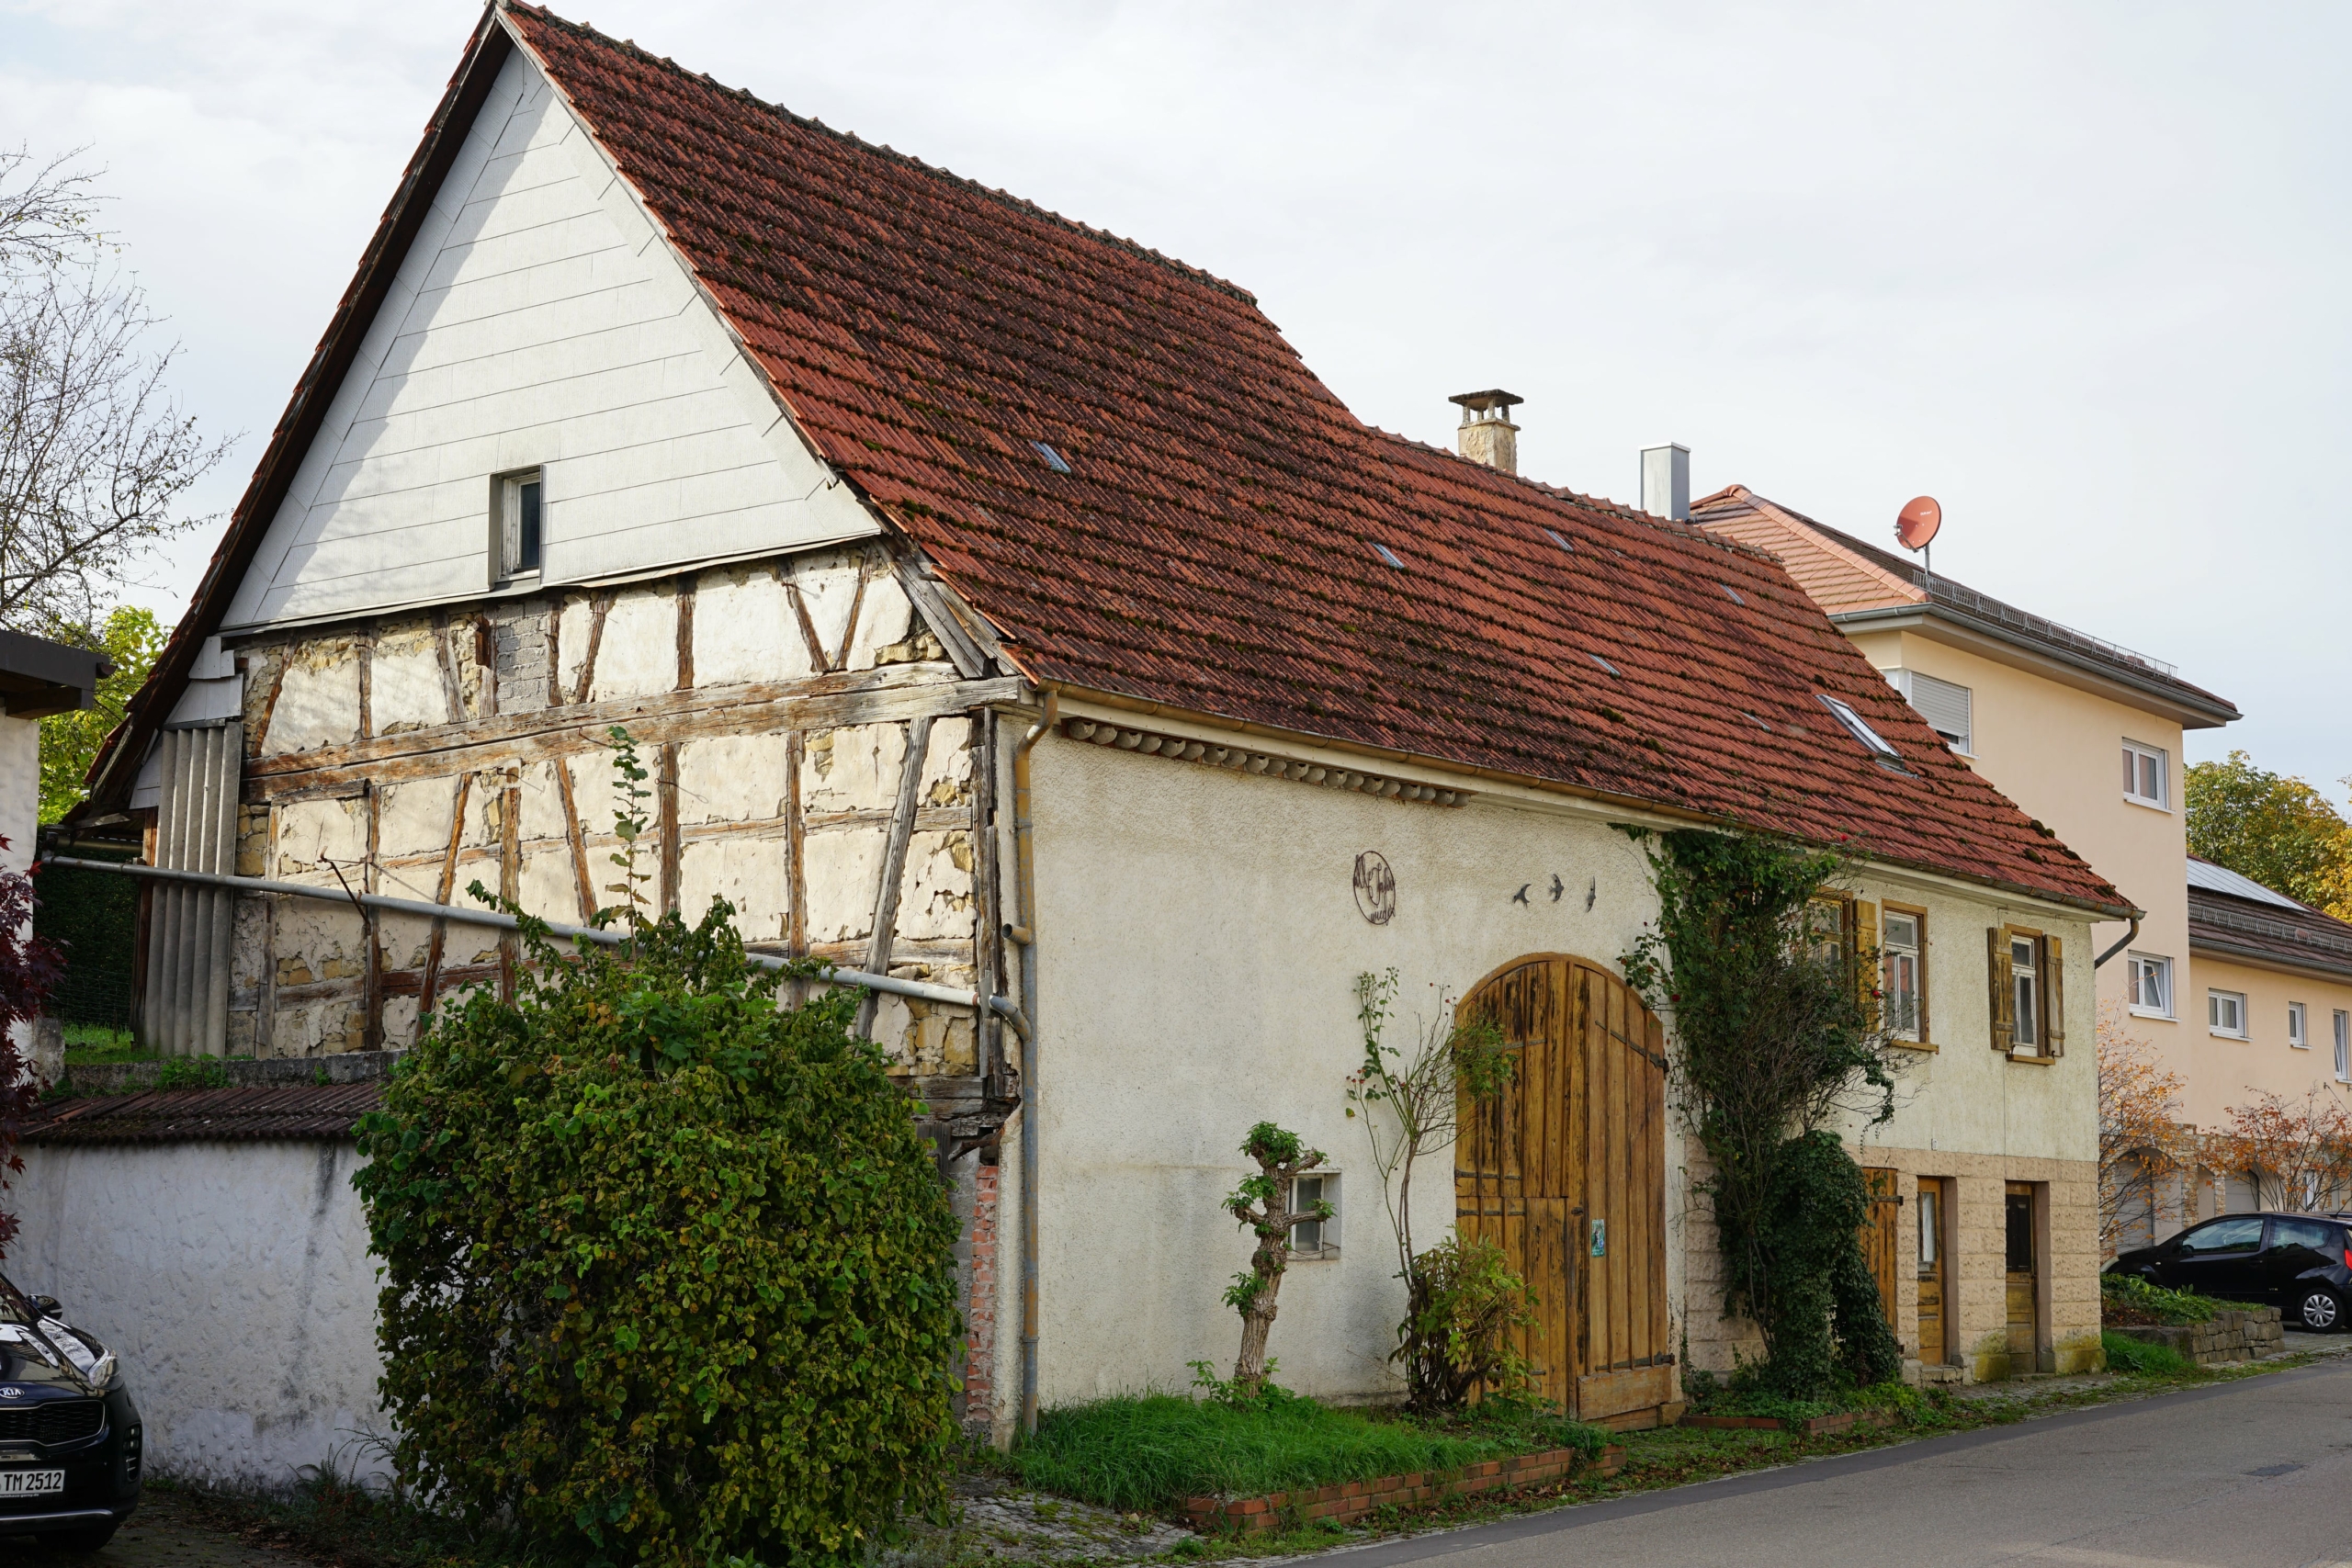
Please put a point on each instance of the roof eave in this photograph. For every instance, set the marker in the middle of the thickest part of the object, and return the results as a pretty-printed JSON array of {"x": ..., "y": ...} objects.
[{"x": 2191, "y": 712}]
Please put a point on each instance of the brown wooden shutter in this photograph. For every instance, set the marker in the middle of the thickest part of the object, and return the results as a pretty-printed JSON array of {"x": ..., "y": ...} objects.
[
  {"x": 2004, "y": 1013},
  {"x": 1863, "y": 950},
  {"x": 2053, "y": 997},
  {"x": 1879, "y": 1234}
]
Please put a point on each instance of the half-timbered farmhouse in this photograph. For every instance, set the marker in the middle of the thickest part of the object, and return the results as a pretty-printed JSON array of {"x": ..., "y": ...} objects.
[{"x": 1004, "y": 610}]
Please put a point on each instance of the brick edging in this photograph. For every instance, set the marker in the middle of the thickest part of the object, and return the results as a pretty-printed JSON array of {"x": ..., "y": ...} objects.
[
  {"x": 1840, "y": 1421},
  {"x": 1346, "y": 1501}
]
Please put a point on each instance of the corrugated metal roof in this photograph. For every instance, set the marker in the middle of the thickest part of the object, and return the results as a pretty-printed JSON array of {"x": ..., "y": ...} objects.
[
  {"x": 2221, "y": 879},
  {"x": 186, "y": 1115}
]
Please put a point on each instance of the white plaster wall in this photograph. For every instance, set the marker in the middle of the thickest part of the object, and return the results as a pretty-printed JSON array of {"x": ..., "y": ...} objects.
[
  {"x": 232, "y": 1280},
  {"x": 19, "y": 789},
  {"x": 1198, "y": 941},
  {"x": 538, "y": 320}
]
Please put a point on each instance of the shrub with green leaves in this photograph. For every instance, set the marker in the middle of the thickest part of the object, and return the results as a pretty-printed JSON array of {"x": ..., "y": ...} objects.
[{"x": 667, "y": 1268}]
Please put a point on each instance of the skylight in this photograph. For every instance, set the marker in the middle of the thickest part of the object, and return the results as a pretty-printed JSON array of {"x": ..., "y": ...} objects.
[
  {"x": 1603, "y": 662},
  {"x": 1861, "y": 731},
  {"x": 1387, "y": 553},
  {"x": 1559, "y": 541},
  {"x": 1052, "y": 458},
  {"x": 1731, "y": 593}
]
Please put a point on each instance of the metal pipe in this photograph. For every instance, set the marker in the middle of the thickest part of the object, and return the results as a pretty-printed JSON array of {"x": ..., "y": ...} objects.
[
  {"x": 1004, "y": 1005},
  {"x": 1024, "y": 867},
  {"x": 2129, "y": 938}
]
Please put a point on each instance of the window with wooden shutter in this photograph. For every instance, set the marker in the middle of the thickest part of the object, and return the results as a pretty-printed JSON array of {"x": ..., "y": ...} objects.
[
  {"x": 1996, "y": 974},
  {"x": 2053, "y": 997},
  {"x": 1862, "y": 948}
]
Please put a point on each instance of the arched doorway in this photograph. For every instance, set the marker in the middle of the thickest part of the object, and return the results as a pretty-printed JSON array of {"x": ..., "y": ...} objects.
[{"x": 1566, "y": 1170}]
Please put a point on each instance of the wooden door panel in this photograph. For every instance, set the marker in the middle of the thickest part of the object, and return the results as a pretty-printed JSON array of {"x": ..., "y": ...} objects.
[
  {"x": 1605, "y": 1394},
  {"x": 1879, "y": 1238}
]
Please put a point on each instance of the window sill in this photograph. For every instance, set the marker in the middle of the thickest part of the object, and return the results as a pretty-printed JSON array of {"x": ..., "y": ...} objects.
[
  {"x": 1320, "y": 1255},
  {"x": 2225, "y": 1034},
  {"x": 1926, "y": 1045},
  {"x": 2159, "y": 1016},
  {"x": 2147, "y": 804},
  {"x": 2034, "y": 1059}
]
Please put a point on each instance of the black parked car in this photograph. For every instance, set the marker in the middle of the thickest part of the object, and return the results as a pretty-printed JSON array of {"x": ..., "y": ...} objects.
[
  {"x": 69, "y": 1434},
  {"x": 2300, "y": 1262}
]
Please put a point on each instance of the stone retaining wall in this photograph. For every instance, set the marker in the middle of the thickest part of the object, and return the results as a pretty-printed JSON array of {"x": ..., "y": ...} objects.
[
  {"x": 1350, "y": 1500},
  {"x": 2230, "y": 1336}
]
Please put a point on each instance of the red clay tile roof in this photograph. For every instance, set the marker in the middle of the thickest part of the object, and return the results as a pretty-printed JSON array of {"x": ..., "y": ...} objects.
[
  {"x": 188, "y": 1115},
  {"x": 1212, "y": 545},
  {"x": 1212, "y": 548}
]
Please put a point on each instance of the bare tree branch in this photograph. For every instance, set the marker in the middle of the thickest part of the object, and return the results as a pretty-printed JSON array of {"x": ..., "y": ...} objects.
[{"x": 47, "y": 213}]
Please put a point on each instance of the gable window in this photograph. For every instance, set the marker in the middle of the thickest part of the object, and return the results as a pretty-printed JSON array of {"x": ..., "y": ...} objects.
[
  {"x": 1903, "y": 981},
  {"x": 1949, "y": 708},
  {"x": 1872, "y": 741},
  {"x": 2150, "y": 978},
  {"x": 2298, "y": 1035},
  {"x": 1312, "y": 1238},
  {"x": 2342, "y": 1047},
  {"x": 2146, "y": 780},
  {"x": 2225, "y": 1013},
  {"x": 2028, "y": 1006},
  {"x": 515, "y": 513}
]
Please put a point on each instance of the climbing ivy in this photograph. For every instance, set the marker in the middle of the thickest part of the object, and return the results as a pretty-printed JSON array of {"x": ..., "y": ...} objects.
[{"x": 1776, "y": 1034}]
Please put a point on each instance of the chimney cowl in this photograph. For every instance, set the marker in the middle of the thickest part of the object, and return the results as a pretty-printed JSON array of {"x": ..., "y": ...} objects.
[
  {"x": 1666, "y": 481},
  {"x": 1487, "y": 434}
]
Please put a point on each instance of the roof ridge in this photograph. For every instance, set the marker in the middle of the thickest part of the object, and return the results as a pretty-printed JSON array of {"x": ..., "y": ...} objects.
[
  {"x": 1667, "y": 526},
  {"x": 1136, "y": 248}
]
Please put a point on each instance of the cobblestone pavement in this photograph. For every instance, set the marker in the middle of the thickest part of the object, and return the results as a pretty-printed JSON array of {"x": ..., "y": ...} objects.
[{"x": 160, "y": 1535}]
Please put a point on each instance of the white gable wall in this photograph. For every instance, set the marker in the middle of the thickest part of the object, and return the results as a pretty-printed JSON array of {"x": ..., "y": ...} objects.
[{"x": 539, "y": 319}]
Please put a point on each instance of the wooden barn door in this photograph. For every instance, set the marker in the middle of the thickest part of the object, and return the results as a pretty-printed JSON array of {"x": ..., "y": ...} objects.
[{"x": 1566, "y": 1171}]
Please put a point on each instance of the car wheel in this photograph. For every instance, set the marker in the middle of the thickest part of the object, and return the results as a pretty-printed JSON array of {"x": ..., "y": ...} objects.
[
  {"x": 81, "y": 1542},
  {"x": 2320, "y": 1310}
]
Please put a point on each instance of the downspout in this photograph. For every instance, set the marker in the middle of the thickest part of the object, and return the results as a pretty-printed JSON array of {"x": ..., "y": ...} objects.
[
  {"x": 2129, "y": 938},
  {"x": 1024, "y": 868}
]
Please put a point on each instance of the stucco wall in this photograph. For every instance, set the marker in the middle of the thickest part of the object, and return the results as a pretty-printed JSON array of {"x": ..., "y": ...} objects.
[
  {"x": 232, "y": 1280},
  {"x": 1199, "y": 939},
  {"x": 2224, "y": 1071}
]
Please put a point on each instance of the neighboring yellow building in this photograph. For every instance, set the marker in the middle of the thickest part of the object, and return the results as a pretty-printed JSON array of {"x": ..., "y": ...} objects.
[
  {"x": 2054, "y": 718},
  {"x": 2273, "y": 1005}
]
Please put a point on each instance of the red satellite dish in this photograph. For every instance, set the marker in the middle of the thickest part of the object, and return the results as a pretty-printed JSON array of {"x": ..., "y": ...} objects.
[{"x": 1917, "y": 522}]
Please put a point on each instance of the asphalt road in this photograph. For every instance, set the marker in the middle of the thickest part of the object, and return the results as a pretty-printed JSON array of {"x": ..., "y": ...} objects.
[{"x": 2253, "y": 1475}]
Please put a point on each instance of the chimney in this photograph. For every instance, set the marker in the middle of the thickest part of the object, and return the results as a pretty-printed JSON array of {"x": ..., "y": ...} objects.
[
  {"x": 1666, "y": 481},
  {"x": 1487, "y": 435}
]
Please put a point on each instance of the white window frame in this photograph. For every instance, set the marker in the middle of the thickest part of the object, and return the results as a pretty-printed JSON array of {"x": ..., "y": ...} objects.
[
  {"x": 2139, "y": 753},
  {"x": 2027, "y": 1037},
  {"x": 2299, "y": 1026},
  {"x": 1907, "y": 682},
  {"x": 1328, "y": 1231},
  {"x": 507, "y": 525},
  {"x": 2142, "y": 965},
  {"x": 1918, "y": 952},
  {"x": 2342, "y": 1047},
  {"x": 2236, "y": 999}
]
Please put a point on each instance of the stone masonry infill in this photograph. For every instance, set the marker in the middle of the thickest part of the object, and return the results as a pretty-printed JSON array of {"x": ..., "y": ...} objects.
[
  {"x": 128, "y": 1077},
  {"x": 2228, "y": 1336},
  {"x": 1346, "y": 1501}
]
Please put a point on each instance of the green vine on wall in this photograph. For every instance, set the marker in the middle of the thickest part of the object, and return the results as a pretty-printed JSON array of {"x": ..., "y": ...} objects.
[{"x": 1776, "y": 1035}]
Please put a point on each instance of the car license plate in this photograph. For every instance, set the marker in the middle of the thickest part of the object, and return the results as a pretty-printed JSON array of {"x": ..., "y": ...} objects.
[{"x": 31, "y": 1482}]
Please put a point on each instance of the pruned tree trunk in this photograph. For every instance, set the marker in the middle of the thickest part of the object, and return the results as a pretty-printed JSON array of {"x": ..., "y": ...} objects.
[{"x": 1265, "y": 1203}]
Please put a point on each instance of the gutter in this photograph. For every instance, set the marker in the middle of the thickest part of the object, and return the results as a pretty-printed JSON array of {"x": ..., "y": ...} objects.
[
  {"x": 1024, "y": 933},
  {"x": 2125, "y": 941},
  {"x": 1003, "y": 1006}
]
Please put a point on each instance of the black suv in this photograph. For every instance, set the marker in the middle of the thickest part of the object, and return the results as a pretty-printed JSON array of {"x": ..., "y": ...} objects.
[
  {"x": 2300, "y": 1262},
  {"x": 69, "y": 1434}
]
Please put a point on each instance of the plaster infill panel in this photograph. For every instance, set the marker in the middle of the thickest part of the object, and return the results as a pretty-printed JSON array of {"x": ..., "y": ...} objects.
[
  {"x": 734, "y": 778},
  {"x": 753, "y": 875},
  {"x": 317, "y": 698},
  {"x": 638, "y": 653},
  {"x": 405, "y": 689},
  {"x": 745, "y": 630}
]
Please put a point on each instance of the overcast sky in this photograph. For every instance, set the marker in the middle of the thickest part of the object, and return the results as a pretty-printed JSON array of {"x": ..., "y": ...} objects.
[{"x": 2078, "y": 271}]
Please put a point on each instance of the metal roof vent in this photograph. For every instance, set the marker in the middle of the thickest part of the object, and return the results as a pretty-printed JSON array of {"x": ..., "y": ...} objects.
[{"x": 1487, "y": 435}]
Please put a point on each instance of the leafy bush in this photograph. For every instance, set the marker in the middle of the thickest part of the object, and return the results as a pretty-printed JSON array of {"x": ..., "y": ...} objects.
[
  {"x": 1823, "y": 1320},
  {"x": 667, "y": 1270},
  {"x": 1148, "y": 1453},
  {"x": 1461, "y": 1302},
  {"x": 2125, "y": 1354}
]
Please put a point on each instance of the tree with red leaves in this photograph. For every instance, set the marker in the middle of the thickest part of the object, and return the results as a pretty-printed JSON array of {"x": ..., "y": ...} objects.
[{"x": 29, "y": 970}]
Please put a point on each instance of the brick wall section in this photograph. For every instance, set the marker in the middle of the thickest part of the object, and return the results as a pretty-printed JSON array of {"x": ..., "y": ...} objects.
[
  {"x": 1349, "y": 1500},
  {"x": 980, "y": 1310}
]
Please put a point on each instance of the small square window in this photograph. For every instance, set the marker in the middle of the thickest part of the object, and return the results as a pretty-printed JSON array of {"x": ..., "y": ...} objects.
[
  {"x": 2146, "y": 776},
  {"x": 2225, "y": 1013},
  {"x": 2298, "y": 1035},
  {"x": 1310, "y": 1239},
  {"x": 517, "y": 514},
  {"x": 2150, "y": 979}
]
